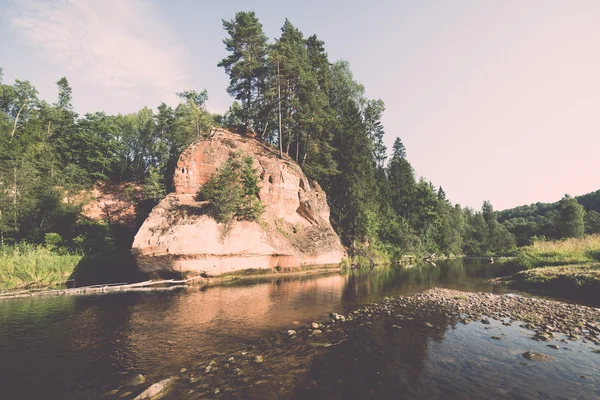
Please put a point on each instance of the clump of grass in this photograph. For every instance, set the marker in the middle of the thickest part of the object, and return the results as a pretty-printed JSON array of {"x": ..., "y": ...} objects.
[
  {"x": 28, "y": 266},
  {"x": 560, "y": 252}
]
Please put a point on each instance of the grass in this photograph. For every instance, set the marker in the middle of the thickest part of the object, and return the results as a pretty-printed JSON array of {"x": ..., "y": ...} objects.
[
  {"x": 573, "y": 251},
  {"x": 28, "y": 266}
]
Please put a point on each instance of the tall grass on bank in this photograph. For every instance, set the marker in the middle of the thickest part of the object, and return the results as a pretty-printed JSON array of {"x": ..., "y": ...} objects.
[
  {"x": 29, "y": 266},
  {"x": 561, "y": 252}
]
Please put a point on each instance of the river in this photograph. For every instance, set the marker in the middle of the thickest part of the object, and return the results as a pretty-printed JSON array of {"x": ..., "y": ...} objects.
[{"x": 84, "y": 347}]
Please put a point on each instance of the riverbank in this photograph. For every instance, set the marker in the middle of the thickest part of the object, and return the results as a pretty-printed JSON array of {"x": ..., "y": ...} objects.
[
  {"x": 578, "y": 282},
  {"x": 314, "y": 355},
  {"x": 567, "y": 268}
]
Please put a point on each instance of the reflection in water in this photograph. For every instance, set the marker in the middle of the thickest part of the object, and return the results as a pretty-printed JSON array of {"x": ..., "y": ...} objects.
[
  {"x": 461, "y": 274},
  {"x": 82, "y": 347}
]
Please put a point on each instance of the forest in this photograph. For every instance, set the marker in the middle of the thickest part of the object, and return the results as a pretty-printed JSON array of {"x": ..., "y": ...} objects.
[{"x": 294, "y": 98}]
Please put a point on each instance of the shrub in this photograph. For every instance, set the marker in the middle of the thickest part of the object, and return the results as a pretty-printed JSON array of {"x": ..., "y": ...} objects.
[
  {"x": 52, "y": 241},
  {"x": 232, "y": 192}
]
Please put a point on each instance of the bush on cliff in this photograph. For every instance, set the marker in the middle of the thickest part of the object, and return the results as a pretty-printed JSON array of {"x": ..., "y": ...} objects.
[{"x": 232, "y": 192}]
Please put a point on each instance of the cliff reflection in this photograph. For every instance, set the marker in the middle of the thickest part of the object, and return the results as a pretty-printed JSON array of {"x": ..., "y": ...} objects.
[{"x": 194, "y": 325}]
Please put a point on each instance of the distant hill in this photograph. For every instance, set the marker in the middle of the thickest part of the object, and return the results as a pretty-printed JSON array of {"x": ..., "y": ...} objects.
[
  {"x": 539, "y": 219},
  {"x": 590, "y": 201}
]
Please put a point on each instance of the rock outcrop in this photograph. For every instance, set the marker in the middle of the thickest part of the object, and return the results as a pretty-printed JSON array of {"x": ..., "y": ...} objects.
[{"x": 293, "y": 231}]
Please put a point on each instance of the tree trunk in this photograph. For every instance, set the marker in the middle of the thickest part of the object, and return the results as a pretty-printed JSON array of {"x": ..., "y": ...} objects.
[
  {"x": 17, "y": 119},
  {"x": 248, "y": 103},
  {"x": 15, "y": 198},
  {"x": 279, "y": 111},
  {"x": 297, "y": 145},
  {"x": 306, "y": 149}
]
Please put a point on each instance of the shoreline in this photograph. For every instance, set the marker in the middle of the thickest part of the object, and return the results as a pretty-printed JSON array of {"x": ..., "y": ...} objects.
[{"x": 170, "y": 284}]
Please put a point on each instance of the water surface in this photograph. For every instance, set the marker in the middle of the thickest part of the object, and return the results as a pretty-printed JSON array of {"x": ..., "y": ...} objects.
[{"x": 83, "y": 347}]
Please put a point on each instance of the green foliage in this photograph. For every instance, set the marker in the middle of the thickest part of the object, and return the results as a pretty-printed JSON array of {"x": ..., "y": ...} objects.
[
  {"x": 194, "y": 97},
  {"x": 570, "y": 218},
  {"x": 52, "y": 241},
  {"x": 232, "y": 192},
  {"x": 544, "y": 219},
  {"x": 28, "y": 266},
  {"x": 592, "y": 222},
  {"x": 246, "y": 63},
  {"x": 153, "y": 189}
]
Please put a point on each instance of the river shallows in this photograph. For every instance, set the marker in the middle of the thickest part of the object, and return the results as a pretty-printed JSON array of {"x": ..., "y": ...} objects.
[{"x": 85, "y": 347}]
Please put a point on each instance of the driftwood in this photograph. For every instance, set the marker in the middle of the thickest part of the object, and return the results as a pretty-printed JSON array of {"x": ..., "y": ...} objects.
[
  {"x": 169, "y": 284},
  {"x": 429, "y": 257}
]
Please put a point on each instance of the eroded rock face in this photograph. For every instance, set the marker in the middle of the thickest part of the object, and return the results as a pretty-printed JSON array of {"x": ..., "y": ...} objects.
[{"x": 294, "y": 230}]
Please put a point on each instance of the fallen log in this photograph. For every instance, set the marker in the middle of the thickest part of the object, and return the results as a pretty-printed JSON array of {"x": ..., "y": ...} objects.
[{"x": 101, "y": 289}]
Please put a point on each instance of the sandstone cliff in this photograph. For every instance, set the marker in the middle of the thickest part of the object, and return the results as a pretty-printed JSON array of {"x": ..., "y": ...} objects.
[{"x": 293, "y": 231}]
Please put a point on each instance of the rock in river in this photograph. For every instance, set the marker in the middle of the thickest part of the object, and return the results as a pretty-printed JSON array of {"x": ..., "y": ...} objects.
[
  {"x": 533, "y": 356},
  {"x": 178, "y": 235}
]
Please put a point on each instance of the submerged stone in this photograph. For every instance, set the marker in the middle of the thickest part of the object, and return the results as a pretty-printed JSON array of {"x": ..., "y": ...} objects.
[{"x": 533, "y": 356}]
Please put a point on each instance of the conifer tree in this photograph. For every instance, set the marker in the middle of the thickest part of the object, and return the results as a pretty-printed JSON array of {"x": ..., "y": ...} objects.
[{"x": 246, "y": 63}]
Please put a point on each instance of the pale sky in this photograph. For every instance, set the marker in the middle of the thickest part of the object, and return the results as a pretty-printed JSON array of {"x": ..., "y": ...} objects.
[{"x": 494, "y": 100}]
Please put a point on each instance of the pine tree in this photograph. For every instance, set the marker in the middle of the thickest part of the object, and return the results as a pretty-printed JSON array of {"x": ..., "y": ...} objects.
[
  {"x": 246, "y": 63},
  {"x": 402, "y": 181}
]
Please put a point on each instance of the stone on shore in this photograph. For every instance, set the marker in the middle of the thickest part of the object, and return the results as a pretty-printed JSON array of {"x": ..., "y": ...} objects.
[
  {"x": 156, "y": 391},
  {"x": 137, "y": 380}
]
